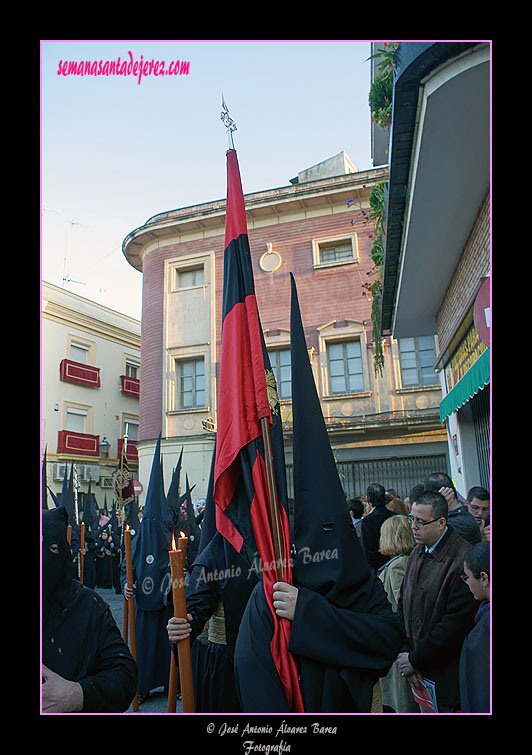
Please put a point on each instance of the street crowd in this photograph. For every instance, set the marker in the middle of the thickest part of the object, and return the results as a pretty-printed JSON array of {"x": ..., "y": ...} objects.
[{"x": 426, "y": 558}]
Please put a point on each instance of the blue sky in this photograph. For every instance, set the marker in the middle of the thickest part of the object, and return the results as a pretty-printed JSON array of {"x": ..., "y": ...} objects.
[{"x": 115, "y": 152}]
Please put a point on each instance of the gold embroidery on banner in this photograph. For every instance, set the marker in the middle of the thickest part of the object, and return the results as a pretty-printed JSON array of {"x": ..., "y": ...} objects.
[{"x": 271, "y": 388}]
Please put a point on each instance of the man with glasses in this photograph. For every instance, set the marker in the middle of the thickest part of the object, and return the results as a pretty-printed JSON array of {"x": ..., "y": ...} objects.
[
  {"x": 478, "y": 503},
  {"x": 436, "y": 607},
  {"x": 459, "y": 517}
]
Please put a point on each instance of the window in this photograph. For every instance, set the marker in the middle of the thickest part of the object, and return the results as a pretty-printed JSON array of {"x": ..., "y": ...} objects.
[
  {"x": 345, "y": 367},
  {"x": 335, "y": 251},
  {"x": 281, "y": 366},
  {"x": 190, "y": 277},
  {"x": 191, "y": 383},
  {"x": 75, "y": 420},
  {"x": 131, "y": 427},
  {"x": 132, "y": 370},
  {"x": 78, "y": 352},
  {"x": 416, "y": 356}
]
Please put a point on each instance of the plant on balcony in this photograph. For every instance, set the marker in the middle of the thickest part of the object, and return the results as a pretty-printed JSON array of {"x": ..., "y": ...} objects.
[
  {"x": 381, "y": 93},
  {"x": 374, "y": 289}
]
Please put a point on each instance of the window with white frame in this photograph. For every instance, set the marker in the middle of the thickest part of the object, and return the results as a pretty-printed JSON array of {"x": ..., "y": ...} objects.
[
  {"x": 416, "y": 357},
  {"x": 346, "y": 374},
  {"x": 335, "y": 251},
  {"x": 79, "y": 352},
  {"x": 76, "y": 420},
  {"x": 191, "y": 383},
  {"x": 132, "y": 369},
  {"x": 189, "y": 277},
  {"x": 131, "y": 427},
  {"x": 281, "y": 366}
]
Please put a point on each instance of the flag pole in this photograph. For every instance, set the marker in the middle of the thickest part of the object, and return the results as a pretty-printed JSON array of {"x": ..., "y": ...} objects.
[
  {"x": 273, "y": 500},
  {"x": 129, "y": 605}
]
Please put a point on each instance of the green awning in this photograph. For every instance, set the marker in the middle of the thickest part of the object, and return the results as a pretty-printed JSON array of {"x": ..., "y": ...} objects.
[{"x": 475, "y": 378}]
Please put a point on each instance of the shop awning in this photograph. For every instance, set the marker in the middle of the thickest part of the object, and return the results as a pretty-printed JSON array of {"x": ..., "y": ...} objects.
[{"x": 475, "y": 378}]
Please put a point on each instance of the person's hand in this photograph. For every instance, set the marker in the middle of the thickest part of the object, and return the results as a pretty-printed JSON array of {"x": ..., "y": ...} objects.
[
  {"x": 178, "y": 628},
  {"x": 60, "y": 695},
  {"x": 448, "y": 494},
  {"x": 128, "y": 592},
  {"x": 405, "y": 667},
  {"x": 485, "y": 532},
  {"x": 284, "y": 600}
]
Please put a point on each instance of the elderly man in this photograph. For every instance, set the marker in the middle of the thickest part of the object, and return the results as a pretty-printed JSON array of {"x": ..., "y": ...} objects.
[{"x": 436, "y": 607}]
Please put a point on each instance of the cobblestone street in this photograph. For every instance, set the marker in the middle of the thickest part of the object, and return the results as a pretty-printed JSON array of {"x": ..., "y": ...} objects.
[{"x": 158, "y": 700}]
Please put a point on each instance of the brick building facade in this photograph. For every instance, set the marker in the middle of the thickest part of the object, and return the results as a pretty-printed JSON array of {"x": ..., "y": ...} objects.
[{"x": 382, "y": 428}]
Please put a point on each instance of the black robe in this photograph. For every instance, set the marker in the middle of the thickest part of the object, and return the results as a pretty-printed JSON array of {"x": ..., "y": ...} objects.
[
  {"x": 89, "y": 561},
  {"x": 220, "y": 573},
  {"x": 153, "y": 645},
  {"x": 80, "y": 639},
  {"x": 344, "y": 635},
  {"x": 340, "y": 653}
]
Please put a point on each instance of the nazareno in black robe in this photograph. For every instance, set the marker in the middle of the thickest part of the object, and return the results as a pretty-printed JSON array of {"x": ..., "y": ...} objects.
[
  {"x": 219, "y": 573},
  {"x": 151, "y": 575},
  {"x": 345, "y": 634},
  {"x": 80, "y": 639}
]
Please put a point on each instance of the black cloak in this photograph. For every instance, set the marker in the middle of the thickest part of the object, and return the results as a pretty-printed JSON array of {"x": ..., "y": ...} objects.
[
  {"x": 151, "y": 573},
  {"x": 218, "y": 574},
  {"x": 80, "y": 639},
  {"x": 345, "y": 634}
]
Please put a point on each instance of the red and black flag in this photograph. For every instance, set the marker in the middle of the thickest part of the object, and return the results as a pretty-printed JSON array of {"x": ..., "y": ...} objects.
[{"x": 249, "y": 466}]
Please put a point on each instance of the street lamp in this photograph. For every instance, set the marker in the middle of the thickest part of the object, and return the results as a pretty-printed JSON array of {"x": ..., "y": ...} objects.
[{"x": 104, "y": 447}]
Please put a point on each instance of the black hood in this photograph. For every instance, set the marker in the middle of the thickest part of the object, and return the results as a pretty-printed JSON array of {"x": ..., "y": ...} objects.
[
  {"x": 329, "y": 557},
  {"x": 56, "y": 567},
  {"x": 152, "y": 543},
  {"x": 91, "y": 514}
]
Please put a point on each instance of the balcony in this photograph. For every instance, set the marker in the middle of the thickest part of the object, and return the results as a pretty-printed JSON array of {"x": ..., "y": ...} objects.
[
  {"x": 130, "y": 386},
  {"x": 70, "y": 442},
  {"x": 81, "y": 374}
]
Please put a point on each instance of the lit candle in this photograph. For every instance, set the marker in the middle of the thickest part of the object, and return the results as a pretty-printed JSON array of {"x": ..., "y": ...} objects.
[{"x": 177, "y": 569}]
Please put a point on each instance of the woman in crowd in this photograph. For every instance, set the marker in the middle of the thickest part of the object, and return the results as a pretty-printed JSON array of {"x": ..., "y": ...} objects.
[
  {"x": 396, "y": 541},
  {"x": 475, "y": 656}
]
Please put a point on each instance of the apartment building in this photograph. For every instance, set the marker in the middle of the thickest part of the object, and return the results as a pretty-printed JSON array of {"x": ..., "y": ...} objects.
[
  {"x": 383, "y": 427},
  {"x": 90, "y": 361}
]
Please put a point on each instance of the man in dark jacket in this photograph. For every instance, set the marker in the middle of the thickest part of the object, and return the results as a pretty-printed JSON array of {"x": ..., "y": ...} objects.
[
  {"x": 436, "y": 607},
  {"x": 370, "y": 529},
  {"x": 459, "y": 517},
  {"x": 86, "y": 666}
]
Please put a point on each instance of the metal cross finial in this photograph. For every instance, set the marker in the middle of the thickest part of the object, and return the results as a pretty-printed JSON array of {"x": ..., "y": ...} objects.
[{"x": 228, "y": 122}]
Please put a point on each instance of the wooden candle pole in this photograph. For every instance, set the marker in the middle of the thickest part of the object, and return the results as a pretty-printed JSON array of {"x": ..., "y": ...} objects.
[
  {"x": 177, "y": 569},
  {"x": 131, "y": 604},
  {"x": 69, "y": 534}
]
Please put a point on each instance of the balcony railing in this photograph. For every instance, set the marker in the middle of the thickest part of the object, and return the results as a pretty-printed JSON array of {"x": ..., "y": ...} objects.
[
  {"x": 81, "y": 374},
  {"x": 131, "y": 450},
  {"x": 70, "y": 442},
  {"x": 130, "y": 386}
]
